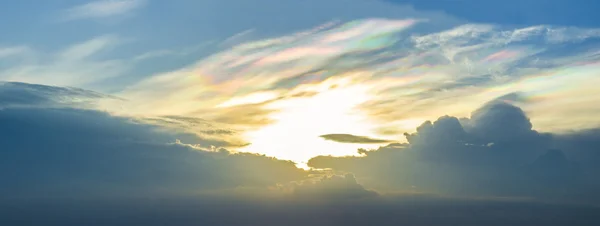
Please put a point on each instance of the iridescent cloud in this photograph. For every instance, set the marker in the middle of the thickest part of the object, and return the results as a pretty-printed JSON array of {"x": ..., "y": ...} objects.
[{"x": 385, "y": 78}]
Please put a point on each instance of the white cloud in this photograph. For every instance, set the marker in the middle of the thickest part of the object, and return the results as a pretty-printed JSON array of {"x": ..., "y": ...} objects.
[
  {"x": 102, "y": 9},
  {"x": 88, "y": 48},
  {"x": 13, "y": 51},
  {"x": 72, "y": 66}
]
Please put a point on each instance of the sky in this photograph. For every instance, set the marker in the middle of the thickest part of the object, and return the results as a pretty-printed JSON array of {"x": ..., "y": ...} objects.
[{"x": 112, "y": 108}]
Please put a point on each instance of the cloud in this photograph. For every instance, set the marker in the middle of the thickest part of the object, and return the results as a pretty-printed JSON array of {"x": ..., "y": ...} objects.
[
  {"x": 400, "y": 73},
  {"x": 349, "y": 138},
  {"x": 70, "y": 152},
  {"x": 79, "y": 64},
  {"x": 495, "y": 152},
  {"x": 88, "y": 48},
  {"x": 102, "y": 9},
  {"x": 512, "y": 12},
  {"x": 65, "y": 165},
  {"x": 13, "y": 51},
  {"x": 96, "y": 63},
  {"x": 16, "y": 94}
]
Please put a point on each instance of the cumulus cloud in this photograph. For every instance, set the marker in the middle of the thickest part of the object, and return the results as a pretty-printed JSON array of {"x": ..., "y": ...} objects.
[{"x": 495, "y": 152}]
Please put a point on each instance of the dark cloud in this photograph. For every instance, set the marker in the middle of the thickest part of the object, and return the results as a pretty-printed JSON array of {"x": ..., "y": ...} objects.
[
  {"x": 70, "y": 152},
  {"x": 17, "y": 94},
  {"x": 495, "y": 152},
  {"x": 349, "y": 138}
]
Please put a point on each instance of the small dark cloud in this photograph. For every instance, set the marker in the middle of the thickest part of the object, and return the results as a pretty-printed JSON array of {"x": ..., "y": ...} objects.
[{"x": 349, "y": 138}]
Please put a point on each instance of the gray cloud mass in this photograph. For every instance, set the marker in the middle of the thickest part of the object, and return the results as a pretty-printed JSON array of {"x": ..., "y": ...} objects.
[{"x": 495, "y": 152}]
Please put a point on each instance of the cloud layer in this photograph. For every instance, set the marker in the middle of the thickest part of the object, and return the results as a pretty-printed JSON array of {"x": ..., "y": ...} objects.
[{"x": 65, "y": 165}]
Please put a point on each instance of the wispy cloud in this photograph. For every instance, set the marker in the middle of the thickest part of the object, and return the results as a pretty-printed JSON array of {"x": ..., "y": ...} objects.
[
  {"x": 83, "y": 64},
  {"x": 13, "y": 51},
  {"x": 382, "y": 76},
  {"x": 72, "y": 66},
  {"x": 102, "y": 9}
]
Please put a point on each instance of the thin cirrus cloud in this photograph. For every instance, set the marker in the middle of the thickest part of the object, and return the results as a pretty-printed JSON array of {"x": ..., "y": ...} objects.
[
  {"x": 95, "y": 63},
  {"x": 102, "y": 9},
  {"x": 13, "y": 51},
  {"x": 75, "y": 65}
]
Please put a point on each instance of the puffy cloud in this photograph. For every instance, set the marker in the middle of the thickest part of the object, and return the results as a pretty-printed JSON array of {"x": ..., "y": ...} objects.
[{"x": 495, "y": 152}]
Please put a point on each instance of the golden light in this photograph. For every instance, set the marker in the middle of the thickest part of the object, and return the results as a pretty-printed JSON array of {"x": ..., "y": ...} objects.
[{"x": 300, "y": 121}]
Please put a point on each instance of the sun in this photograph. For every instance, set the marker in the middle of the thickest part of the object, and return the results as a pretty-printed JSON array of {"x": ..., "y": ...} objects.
[{"x": 300, "y": 121}]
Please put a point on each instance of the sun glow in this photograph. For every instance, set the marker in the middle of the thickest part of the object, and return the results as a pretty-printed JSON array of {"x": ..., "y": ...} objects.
[{"x": 300, "y": 121}]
